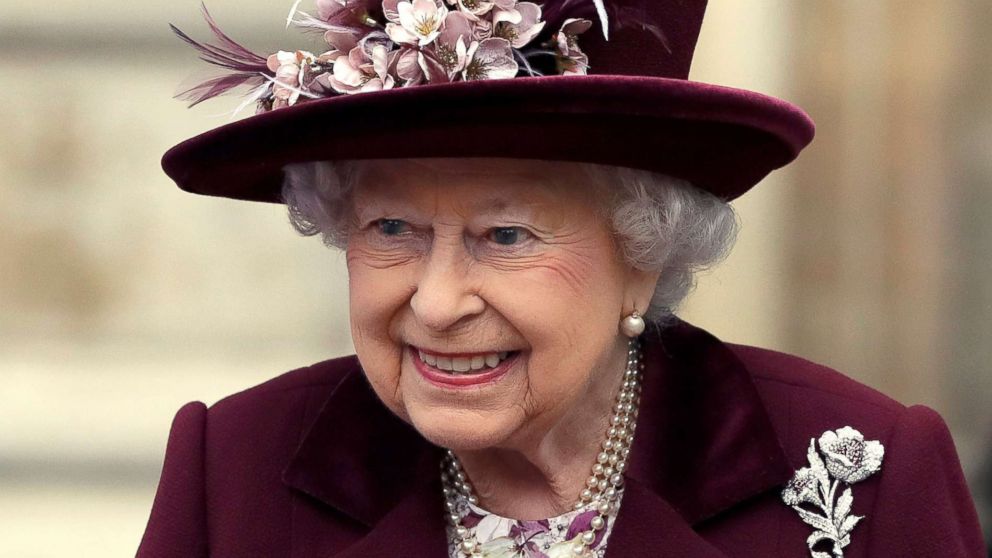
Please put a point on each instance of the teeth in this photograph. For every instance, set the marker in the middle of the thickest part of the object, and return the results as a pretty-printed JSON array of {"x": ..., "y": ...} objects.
[{"x": 463, "y": 364}]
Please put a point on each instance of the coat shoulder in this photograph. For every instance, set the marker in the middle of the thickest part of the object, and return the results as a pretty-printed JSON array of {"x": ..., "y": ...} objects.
[
  {"x": 774, "y": 370},
  {"x": 224, "y": 463},
  {"x": 321, "y": 376},
  {"x": 804, "y": 399},
  {"x": 275, "y": 415}
]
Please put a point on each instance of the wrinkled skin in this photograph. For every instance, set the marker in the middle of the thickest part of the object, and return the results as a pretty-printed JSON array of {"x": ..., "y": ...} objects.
[{"x": 488, "y": 255}]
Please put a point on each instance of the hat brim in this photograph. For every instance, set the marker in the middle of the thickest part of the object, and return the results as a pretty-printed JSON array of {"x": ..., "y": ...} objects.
[{"x": 722, "y": 139}]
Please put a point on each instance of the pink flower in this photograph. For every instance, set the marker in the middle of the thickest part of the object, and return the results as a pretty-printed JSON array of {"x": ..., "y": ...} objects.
[
  {"x": 341, "y": 42},
  {"x": 474, "y": 9},
  {"x": 415, "y": 67},
  {"x": 489, "y": 59},
  {"x": 419, "y": 22},
  {"x": 345, "y": 13},
  {"x": 482, "y": 29},
  {"x": 292, "y": 73},
  {"x": 526, "y": 26},
  {"x": 457, "y": 29},
  {"x": 390, "y": 11},
  {"x": 571, "y": 60},
  {"x": 505, "y": 10},
  {"x": 360, "y": 72},
  {"x": 419, "y": 41}
]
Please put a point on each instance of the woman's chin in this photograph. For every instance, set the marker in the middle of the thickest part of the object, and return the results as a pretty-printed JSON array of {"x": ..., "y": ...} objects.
[
  {"x": 468, "y": 417},
  {"x": 455, "y": 430}
]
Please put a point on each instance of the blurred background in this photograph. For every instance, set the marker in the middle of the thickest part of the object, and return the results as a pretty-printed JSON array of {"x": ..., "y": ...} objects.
[{"x": 121, "y": 298}]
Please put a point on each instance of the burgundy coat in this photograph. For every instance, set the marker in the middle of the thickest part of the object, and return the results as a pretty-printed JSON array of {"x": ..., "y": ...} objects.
[{"x": 311, "y": 464}]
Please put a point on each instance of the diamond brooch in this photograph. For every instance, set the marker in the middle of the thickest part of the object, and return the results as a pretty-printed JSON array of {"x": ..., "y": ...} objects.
[{"x": 847, "y": 458}]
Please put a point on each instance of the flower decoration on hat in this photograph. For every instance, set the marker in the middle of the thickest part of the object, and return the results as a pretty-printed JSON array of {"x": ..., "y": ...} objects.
[
  {"x": 374, "y": 45},
  {"x": 846, "y": 458}
]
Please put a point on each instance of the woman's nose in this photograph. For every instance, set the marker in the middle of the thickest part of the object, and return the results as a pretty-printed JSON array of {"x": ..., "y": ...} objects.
[{"x": 444, "y": 295}]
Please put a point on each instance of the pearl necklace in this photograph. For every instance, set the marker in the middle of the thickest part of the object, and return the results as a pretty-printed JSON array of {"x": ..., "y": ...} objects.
[{"x": 602, "y": 487}]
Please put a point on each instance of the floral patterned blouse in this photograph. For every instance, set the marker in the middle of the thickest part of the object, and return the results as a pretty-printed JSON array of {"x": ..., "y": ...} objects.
[{"x": 501, "y": 537}]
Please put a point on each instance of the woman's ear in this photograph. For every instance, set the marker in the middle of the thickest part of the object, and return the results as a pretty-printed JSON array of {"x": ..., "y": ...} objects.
[{"x": 640, "y": 290}]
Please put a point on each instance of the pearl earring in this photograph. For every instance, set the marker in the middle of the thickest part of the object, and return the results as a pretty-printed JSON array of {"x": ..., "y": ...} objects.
[{"x": 632, "y": 325}]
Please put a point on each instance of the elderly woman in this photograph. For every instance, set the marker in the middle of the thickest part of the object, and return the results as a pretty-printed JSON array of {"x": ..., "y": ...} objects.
[{"x": 516, "y": 249}]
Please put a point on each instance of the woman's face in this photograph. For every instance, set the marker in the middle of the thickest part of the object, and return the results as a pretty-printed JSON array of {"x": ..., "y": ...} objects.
[{"x": 486, "y": 295}]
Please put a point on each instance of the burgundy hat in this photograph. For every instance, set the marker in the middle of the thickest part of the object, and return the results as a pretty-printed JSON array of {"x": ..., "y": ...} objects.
[{"x": 624, "y": 100}]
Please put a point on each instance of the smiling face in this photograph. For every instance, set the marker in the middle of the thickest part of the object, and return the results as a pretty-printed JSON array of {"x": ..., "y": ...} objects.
[{"x": 485, "y": 297}]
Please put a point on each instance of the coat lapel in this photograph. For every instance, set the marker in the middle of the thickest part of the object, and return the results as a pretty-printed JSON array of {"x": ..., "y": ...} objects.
[
  {"x": 704, "y": 439},
  {"x": 648, "y": 526},
  {"x": 704, "y": 443},
  {"x": 358, "y": 457},
  {"x": 414, "y": 527}
]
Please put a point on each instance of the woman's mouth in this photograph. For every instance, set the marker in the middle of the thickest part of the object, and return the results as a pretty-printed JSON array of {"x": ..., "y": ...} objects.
[
  {"x": 462, "y": 369},
  {"x": 463, "y": 364}
]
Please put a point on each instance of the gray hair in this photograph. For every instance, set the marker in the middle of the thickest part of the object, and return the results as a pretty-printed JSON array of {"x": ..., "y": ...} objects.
[{"x": 662, "y": 223}]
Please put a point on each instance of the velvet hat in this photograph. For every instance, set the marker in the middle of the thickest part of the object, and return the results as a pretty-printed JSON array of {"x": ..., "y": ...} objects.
[{"x": 600, "y": 81}]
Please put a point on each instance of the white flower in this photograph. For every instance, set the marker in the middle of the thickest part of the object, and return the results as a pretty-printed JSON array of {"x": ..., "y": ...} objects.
[
  {"x": 849, "y": 459},
  {"x": 802, "y": 488},
  {"x": 419, "y": 22},
  {"x": 492, "y": 526},
  {"x": 502, "y": 547},
  {"x": 564, "y": 549},
  {"x": 848, "y": 456}
]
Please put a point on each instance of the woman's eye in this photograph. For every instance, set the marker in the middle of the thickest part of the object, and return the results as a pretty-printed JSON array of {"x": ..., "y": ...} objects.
[
  {"x": 392, "y": 227},
  {"x": 508, "y": 236}
]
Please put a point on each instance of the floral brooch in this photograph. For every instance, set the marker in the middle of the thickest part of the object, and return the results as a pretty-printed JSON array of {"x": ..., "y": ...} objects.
[
  {"x": 847, "y": 458},
  {"x": 373, "y": 45}
]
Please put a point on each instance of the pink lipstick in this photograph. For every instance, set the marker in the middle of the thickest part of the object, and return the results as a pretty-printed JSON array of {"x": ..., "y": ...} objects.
[{"x": 436, "y": 368}]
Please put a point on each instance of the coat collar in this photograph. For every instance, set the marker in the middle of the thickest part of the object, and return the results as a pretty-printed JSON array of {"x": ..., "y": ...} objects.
[{"x": 704, "y": 440}]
